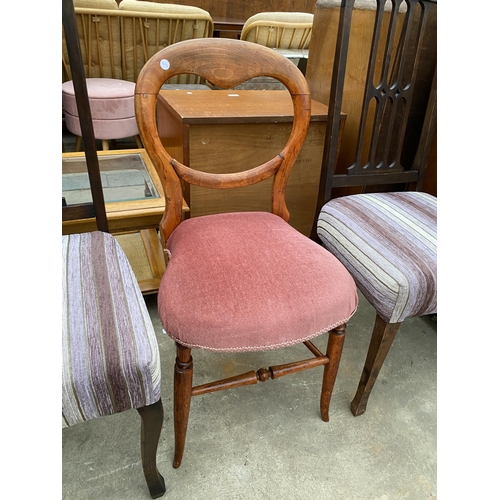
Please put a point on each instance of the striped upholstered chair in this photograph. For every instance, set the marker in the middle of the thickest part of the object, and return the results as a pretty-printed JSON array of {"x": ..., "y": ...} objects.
[
  {"x": 387, "y": 240},
  {"x": 110, "y": 356}
]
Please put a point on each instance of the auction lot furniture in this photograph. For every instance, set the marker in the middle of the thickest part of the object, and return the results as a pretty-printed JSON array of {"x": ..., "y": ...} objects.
[
  {"x": 110, "y": 356},
  {"x": 117, "y": 40},
  {"x": 215, "y": 131},
  {"x": 242, "y": 281},
  {"x": 243, "y": 9},
  {"x": 279, "y": 30},
  {"x": 134, "y": 202},
  {"x": 387, "y": 240},
  {"x": 321, "y": 61},
  {"x": 112, "y": 107}
]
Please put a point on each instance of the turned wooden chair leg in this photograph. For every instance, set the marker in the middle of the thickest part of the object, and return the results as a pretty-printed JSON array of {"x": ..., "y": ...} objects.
[
  {"x": 152, "y": 421},
  {"x": 333, "y": 351},
  {"x": 105, "y": 145},
  {"x": 380, "y": 343},
  {"x": 78, "y": 143},
  {"x": 183, "y": 383},
  {"x": 138, "y": 141}
]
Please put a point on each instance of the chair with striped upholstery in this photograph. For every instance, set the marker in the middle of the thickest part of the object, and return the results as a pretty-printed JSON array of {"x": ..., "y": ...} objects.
[
  {"x": 110, "y": 355},
  {"x": 387, "y": 240}
]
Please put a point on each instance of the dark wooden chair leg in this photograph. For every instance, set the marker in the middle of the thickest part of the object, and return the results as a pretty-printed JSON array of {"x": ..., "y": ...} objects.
[
  {"x": 151, "y": 424},
  {"x": 183, "y": 384},
  {"x": 380, "y": 343},
  {"x": 333, "y": 351}
]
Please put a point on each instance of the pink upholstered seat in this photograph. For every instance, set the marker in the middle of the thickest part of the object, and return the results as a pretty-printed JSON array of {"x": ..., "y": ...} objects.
[
  {"x": 111, "y": 106},
  {"x": 249, "y": 281}
]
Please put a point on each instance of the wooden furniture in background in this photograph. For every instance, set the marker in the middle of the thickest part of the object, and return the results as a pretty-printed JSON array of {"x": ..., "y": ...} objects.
[
  {"x": 243, "y": 9},
  {"x": 279, "y": 30},
  {"x": 226, "y": 27},
  {"x": 215, "y": 130},
  {"x": 128, "y": 208},
  {"x": 115, "y": 43},
  {"x": 319, "y": 75},
  {"x": 134, "y": 207},
  {"x": 289, "y": 33}
]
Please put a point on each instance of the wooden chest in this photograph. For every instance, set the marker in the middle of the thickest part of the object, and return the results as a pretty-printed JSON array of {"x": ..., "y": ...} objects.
[{"x": 229, "y": 131}]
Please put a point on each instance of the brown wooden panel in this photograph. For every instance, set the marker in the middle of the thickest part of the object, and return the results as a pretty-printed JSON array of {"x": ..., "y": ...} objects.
[
  {"x": 212, "y": 137},
  {"x": 243, "y": 9}
]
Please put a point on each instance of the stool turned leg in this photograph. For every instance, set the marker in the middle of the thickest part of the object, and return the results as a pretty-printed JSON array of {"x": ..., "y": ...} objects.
[
  {"x": 152, "y": 421},
  {"x": 105, "y": 145},
  {"x": 183, "y": 383},
  {"x": 380, "y": 343},
  {"x": 138, "y": 141},
  {"x": 78, "y": 143},
  {"x": 333, "y": 351}
]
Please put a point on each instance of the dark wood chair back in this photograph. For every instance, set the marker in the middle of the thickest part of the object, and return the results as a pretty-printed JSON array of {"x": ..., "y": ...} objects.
[
  {"x": 95, "y": 208},
  {"x": 398, "y": 42},
  {"x": 224, "y": 63}
]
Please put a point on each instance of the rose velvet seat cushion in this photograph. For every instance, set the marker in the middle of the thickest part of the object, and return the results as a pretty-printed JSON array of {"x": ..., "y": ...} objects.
[
  {"x": 249, "y": 281},
  {"x": 387, "y": 241},
  {"x": 110, "y": 356},
  {"x": 111, "y": 106}
]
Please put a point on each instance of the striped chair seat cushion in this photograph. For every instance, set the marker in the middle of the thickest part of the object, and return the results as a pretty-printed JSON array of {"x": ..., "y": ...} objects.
[
  {"x": 110, "y": 357},
  {"x": 387, "y": 241}
]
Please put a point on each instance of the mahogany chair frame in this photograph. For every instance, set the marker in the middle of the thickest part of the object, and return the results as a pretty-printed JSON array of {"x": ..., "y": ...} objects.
[
  {"x": 227, "y": 63},
  {"x": 151, "y": 415},
  {"x": 393, "y": 94}
]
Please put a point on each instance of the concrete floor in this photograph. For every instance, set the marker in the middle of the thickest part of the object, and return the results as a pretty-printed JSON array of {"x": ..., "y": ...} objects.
[{"x": 268, "y": 441}]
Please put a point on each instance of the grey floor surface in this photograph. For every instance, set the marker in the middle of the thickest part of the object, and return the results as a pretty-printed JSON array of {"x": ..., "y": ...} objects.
[{"x": 268, "y": 441}]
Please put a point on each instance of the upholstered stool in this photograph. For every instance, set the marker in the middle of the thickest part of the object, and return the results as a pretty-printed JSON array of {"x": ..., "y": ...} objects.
[
  {"x": 110, "y": 356},
  {"x": 111, "y": 107}
]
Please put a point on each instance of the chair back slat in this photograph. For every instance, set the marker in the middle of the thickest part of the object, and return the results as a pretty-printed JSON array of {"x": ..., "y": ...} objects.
[
  {"x": 97, "y": 209},
  {"x": 398, "y": 39}
]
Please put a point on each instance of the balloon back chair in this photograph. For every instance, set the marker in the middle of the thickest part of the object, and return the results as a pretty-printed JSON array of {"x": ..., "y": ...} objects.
[
  {"x": 387, "y": 240},
  {"x": 110, "y": 355},
  {"x": 241, "y": 281}
]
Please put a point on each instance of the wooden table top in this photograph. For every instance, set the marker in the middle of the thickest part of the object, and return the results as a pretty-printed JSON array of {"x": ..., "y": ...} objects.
[{"x": 235, "y": 106}]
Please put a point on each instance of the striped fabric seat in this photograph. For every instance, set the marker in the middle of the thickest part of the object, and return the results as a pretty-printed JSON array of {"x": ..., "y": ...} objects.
[
  {"x": 387, "y": 241},
  {"x": 110, "y": 356}
]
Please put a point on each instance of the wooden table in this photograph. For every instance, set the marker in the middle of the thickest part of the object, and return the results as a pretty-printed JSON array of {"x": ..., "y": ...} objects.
[
  {"x": 137, "y": 204},
  {"x": 228, "y": 131}
]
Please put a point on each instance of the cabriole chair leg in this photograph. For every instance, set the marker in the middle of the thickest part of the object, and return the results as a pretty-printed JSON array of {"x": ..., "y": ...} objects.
[
  {"x": 151, "y": 424},
  {"x": 183, "y": 383},
  {"x": 333, "y": 351},
  {"x": 380, "y": 343}
]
